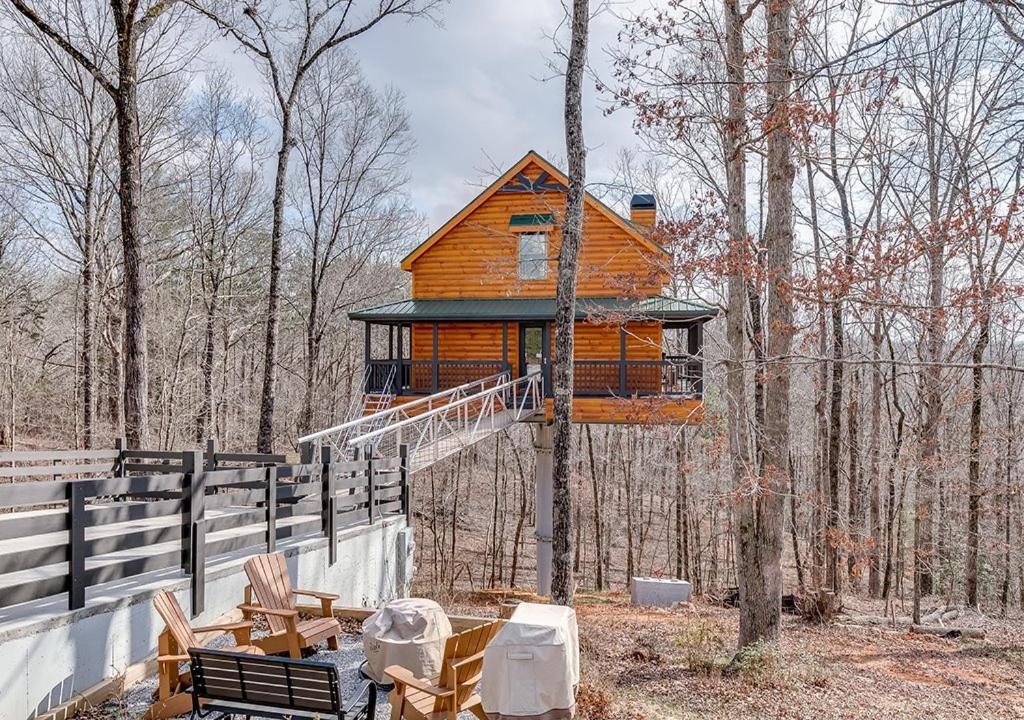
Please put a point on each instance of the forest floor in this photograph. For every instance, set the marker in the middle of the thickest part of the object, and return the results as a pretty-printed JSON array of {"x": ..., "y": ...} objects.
[{"x": 648, "y": 664}]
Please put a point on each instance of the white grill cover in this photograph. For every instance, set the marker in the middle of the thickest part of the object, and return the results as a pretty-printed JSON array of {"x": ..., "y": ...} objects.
[
  {"x": 532, "y": 665},
  {"x": 410, "y": 632}
]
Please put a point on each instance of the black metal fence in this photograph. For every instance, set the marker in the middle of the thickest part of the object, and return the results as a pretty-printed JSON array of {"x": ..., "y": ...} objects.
[{"x": 70, "y": 520}]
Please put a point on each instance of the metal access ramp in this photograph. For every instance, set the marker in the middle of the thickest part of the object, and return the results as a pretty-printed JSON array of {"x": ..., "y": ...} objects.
[{"x": 437, "y": 426}]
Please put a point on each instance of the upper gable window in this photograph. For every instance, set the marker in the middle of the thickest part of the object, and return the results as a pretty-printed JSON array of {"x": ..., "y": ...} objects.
[{"x": 533, "y": 255}]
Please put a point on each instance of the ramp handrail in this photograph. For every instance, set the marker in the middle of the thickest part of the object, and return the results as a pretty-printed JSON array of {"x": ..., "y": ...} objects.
[
  {"x": 404, "y": 408},
  {"x": 360, "y": 440},
  {"x": 436, "y": 434}
]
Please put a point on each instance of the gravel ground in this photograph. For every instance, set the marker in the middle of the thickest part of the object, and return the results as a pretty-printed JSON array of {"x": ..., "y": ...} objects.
[{"x": 347, "y": 658}]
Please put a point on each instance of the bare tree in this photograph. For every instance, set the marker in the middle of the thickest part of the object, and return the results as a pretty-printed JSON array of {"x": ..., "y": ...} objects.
[
  {"x": 223, "y": 191},
  {"x": 287, "y": 41},
  {"x": 353, "y": 144},
  {"x": 565, "y": 306},
  {"x": 136, "y": 26},
  {"x": 56, "y": 142}
]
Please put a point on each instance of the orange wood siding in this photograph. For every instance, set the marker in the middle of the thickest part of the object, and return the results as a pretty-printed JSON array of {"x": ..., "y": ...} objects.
[
  {"x": 482, "y": 341},
  {"x": 479, "y": 257}
]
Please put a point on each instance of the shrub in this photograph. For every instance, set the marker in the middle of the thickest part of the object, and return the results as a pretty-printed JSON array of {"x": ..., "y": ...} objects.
[
  {"x": 702, "y": 644},
  {"x": 594, "y": 703},
  {"x": 758, "y": 664}
]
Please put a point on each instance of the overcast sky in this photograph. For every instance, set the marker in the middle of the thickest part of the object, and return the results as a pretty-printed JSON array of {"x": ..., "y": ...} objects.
[{"x": 477, "y": 97}]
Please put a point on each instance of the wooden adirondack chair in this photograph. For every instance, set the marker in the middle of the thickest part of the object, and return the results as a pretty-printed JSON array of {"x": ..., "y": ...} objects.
[
  {"x": 444, "y": 697},
  {"x": 174, "y": 642},
  {"x": 272, "y": 587}
]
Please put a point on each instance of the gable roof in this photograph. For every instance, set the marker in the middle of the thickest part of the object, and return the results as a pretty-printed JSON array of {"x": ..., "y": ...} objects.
[{"x": 559, "y": 177}]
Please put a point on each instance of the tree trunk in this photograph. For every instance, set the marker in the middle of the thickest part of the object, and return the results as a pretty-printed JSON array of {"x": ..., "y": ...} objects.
[
  {"x": 312, "y": 349},
  {"x": 855, "y": 502},
  {"x": 974, "y": 460},
  {"x": 874, "y": 452},
  {"x": 206, "y": 368},
  {"x": 126, "y": 109},
  {"x": 88, "y": 353},
  {"x": 565, "y": 310},
  {"x": 599, "y": 577},
  {"x": 265, "y": 435},
  {"x": 760, "y": 515},
  {"x": 682, "y": 511}
]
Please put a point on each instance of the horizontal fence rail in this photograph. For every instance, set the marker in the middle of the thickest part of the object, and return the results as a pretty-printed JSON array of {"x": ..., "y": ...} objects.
[{"x": 63, "y": 531}]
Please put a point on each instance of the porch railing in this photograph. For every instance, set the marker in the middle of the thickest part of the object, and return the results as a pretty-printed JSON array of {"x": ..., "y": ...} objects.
[
  {"x": 676, "y": 375},
  {"x": 425, "y": 377}
]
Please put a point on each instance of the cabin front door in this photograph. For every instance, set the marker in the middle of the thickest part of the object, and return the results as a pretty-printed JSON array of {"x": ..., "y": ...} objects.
[{"x": 534, "y": 349}]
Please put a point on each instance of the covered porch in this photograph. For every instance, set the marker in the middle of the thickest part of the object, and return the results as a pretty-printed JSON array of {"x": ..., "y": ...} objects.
[{"x": 625, "y": 348}]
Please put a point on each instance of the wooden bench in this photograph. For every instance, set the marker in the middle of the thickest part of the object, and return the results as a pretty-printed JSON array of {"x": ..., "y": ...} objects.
[{"x": 272, "y": 687}]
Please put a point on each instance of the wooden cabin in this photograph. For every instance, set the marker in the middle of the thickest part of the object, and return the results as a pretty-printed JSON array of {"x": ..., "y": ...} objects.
[{"x": 483, "y": 302}]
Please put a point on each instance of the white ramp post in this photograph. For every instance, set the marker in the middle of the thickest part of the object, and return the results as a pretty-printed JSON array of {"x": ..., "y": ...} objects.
[{"x": 544, "y": 496}]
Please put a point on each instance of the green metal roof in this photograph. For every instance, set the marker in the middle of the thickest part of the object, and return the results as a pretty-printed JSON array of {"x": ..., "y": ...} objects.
[
  {"x": 524, "y": 221},
  {"x": 655, "y": 308}
]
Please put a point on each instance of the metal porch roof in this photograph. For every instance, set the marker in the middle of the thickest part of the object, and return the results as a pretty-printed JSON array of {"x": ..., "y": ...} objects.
[{"x": 476, "y": 309}]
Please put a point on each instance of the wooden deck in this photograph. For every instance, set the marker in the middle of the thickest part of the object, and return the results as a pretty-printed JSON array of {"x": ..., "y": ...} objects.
[{"x": 653, "y": 410}]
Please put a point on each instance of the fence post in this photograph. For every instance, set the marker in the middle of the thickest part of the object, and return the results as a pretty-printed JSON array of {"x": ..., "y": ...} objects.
[
  {"x": 76, "y": 543},
  {"x": 271, "y": 507},
  {"x": 121, "y": 445},
  {"x": 193, "y": 527},
  {"x": 370, "y": 482},
  {"x": 211, "y": 454},
  {"x": 403, "y": 474},
  {"x": 307, "y": 452},
  {"x": 328, "y": 504}
]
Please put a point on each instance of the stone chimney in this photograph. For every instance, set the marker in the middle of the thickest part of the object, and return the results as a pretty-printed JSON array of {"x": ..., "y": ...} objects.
[{"x": 643, "y": 211}]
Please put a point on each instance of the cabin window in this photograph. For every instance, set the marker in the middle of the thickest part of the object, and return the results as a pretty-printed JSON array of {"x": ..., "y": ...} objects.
[{"x": 533, "y": 256}]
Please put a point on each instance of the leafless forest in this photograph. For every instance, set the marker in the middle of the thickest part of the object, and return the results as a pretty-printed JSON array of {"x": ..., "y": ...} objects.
[{"x": 178, "y": 252}]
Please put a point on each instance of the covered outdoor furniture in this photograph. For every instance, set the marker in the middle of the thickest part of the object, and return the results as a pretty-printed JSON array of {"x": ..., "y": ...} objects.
[
  {"x": 410, "y": 632},
  {"x": 454, "y": 690},
  {"x": 272, "y": 587},
  {"x": 272, "y": 687},
  {"x": 174, "y": 642},
  {"x": 532, "y": 666}
]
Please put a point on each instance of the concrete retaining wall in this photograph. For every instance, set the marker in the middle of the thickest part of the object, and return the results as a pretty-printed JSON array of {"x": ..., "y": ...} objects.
[{"x": 48, "y": 654}]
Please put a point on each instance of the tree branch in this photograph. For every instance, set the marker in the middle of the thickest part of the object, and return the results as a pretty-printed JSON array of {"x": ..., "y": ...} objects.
[{"x": 66, "y": 45}]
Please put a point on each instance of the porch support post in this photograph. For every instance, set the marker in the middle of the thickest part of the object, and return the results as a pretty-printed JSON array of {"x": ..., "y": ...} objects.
[
  {"x": 504, "y": 345},
  {"x": 544, "y": 498},
  {"x": 695, "y": 348},
  {"x": 399, "y": 368},
  {"x": 435, "y": 375},
  {"x": 694, "y": 338},
  {"x": 622, "y": 361},
  {"x": 545, "y": 356},
  {"x": 366, "y": 348}
]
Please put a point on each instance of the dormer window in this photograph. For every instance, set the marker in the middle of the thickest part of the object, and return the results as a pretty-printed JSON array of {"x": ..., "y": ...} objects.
[{"x": 533, "y": 244}]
